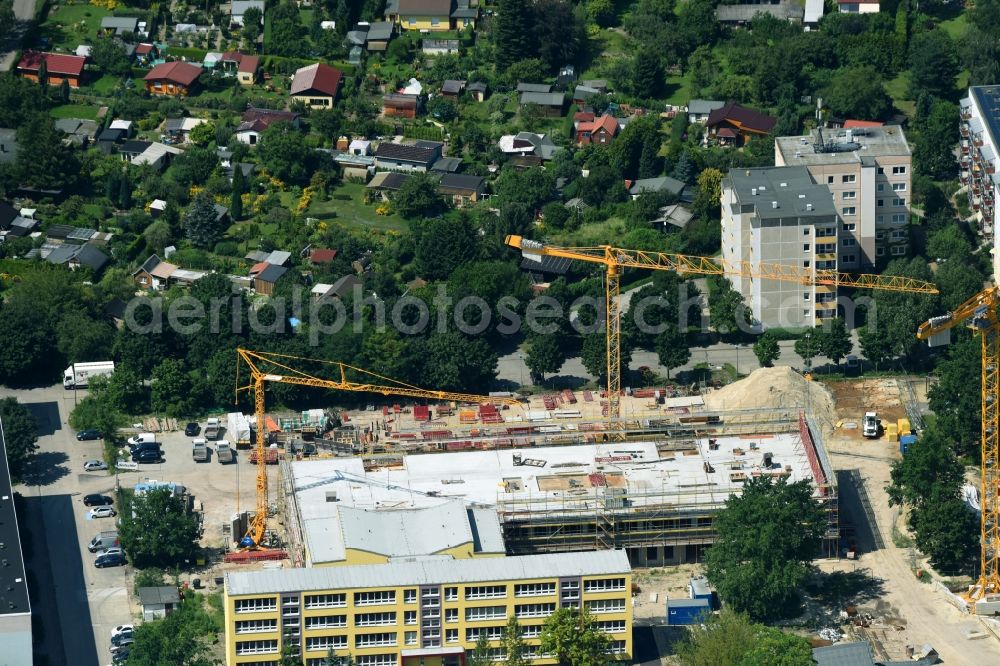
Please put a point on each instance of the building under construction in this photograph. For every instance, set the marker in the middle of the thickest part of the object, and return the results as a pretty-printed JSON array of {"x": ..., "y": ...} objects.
[{"x": 654, "y": 494}]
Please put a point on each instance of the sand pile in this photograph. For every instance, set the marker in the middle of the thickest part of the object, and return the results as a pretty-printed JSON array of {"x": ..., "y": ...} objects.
[{"x": 775, "y": 387}]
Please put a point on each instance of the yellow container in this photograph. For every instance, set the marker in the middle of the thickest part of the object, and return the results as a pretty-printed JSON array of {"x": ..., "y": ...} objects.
[
  {"x": 892, "y": 432},
  {"x": 904, "y": 426}
]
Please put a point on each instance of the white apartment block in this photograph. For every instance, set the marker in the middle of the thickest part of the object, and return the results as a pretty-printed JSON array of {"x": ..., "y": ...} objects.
[
  {"x": 779, "y": 215},
  {"x": 868, "y": 172},
  {"x": 980, "y": 130}
]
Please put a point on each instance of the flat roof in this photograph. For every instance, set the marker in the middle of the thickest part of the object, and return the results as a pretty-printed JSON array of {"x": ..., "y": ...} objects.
[
  {"x": 885, "y": 141},
  {"x": 577, "y": 476},
  {"x": 432, "y": 572},
  {"x": 988, "y": 100},
  {"x": 791, "y": 187},
  {"x": 13, "y": 583}
]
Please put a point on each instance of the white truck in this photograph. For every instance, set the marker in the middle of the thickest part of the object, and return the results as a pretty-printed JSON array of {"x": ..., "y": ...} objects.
[
  {"x": 223, "y": 452},
  {"x": 102, "y": 540},
  {"x": 870, "y": 425},
  {"x": 78, "y": 375},
  {"x": 238, "y": 430},
  {"x": 199, "y": 450},
  {"x": 212, "y": 429}
]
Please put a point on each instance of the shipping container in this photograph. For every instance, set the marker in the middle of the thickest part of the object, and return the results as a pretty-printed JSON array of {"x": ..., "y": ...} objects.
[{"x": 681, "y": 612}]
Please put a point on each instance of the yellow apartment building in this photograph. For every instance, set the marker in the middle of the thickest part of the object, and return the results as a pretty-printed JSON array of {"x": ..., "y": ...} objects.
[{"x": 421, "y": 612}]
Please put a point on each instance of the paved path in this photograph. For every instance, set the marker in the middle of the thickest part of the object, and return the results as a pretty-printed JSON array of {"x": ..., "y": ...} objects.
[{"x": 24, "y": 10}]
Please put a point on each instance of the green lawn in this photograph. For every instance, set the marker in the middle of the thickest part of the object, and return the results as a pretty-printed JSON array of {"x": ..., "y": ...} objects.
[
  {"x": 897, "y": 89},
  {"x": 354, "y": 213},
  {"x": 82, "y": 111},
  {"x": 72, "y": 25},
  {"x": 678, "y": 90},
  {"x": 105, "y": 85},
  {"x": 955, "y": 27}
]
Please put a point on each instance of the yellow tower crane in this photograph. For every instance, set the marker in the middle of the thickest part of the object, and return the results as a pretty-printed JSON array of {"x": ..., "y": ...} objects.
[
  {"x": 276, "y": 368},
  {"x": 616, "y": 259},
  {"x": 980, "y": 314}
]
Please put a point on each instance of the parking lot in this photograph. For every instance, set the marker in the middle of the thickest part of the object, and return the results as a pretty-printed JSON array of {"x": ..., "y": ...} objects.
[{"x": 79, "y": 603}]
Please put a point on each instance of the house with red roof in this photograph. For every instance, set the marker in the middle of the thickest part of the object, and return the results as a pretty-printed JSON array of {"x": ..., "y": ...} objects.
[
  {"x": 175, "y": 78},
  {"x": 316, "y": 86},
  {"x": 320, "y": 256},
  {"x": 735, "y": 125},
  {"x": 245, "y": 66},
  {"x": 255, "y": 121},
  {"x": 59, "y": 67},
  {"x": 600, "y": 131},
  {"x": 145, "y": 53}
]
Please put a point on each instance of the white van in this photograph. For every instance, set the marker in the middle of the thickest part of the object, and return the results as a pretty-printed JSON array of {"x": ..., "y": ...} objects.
[{"x": 142, "y": 438}]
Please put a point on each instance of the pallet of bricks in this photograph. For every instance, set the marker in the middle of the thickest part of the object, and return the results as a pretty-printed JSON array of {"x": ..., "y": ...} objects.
[{"x": 489, "y": 414}]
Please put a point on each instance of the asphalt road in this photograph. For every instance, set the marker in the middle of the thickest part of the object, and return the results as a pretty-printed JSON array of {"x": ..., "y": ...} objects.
[
  {"x": 24, "y": 10},
  {"x": 77, "y": 603}
]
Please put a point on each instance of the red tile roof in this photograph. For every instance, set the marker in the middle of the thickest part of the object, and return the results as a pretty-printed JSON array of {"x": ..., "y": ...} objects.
[
  {"x": 177, "y": 72},
  {"x": 851, "y": 124},
  {"x": 317, "y": 77},
  {"x": 322, "y": 256},
  {"x": 583, "y": 116},
  {"x": 742, "y": 117},
  {"x": 605, "y": 122},
  {"x": 258, "y": 268},
  {"x": 143, "y": 49},
  {"x": 55, "y": 63},
  {"x": 249, "y": 64}
]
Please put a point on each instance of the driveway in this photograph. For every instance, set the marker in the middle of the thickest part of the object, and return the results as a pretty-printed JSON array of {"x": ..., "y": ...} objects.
[{"x": 24, "y": 11}]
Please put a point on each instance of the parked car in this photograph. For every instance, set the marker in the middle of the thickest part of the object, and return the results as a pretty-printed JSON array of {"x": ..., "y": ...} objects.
[
  {"x": 122, "y": 629},
  {"x": 88, "y": 434},
  {"x": 114, "y": 550},
  {"x": 127, "y": 465},
  {"x": 112, "y": 560},
  {"x": 97, "y": 499},
  {"x": 147, "y": 456},
  {"x": 94, "y": 465},
  {"x": 121, "y": 656},
  {"x": 103, "y": 512},
  {"x": 121, "y": 645},
  {"x": 192, "y": 429}
]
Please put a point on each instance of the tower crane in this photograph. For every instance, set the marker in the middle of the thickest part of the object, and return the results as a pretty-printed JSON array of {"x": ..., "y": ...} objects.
[
  {"x": 272, "y": 367},
  {"x": 616, "y": 259},
  {"x": 979, "y": 313}
]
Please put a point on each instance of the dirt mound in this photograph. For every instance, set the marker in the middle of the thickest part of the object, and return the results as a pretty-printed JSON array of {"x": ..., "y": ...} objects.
[{"x": 775, "y": 387}]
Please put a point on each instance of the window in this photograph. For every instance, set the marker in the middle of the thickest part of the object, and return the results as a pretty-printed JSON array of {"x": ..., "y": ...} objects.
[
  {"x": 826, "y": 248},
  {"x": 879, "y": 219},
  {"x": 534, "y": 610},
  {"x": 570, "y": 591},
  {"x": 480, "y": 613},
  {"x": 486, "y": 592},
  {"x": 850, "y": 227},
  {"x": 374, "y": 619},
  {"x": 606, "y": 606},
  {"x": 435, "y": 21},
  {"x": 899, "y": 217},
  {"x": 898, "y": 235},
  {"x": 492, "y": 633},
  {"x": 881, "y": 171},
  {"x": 409, "y": 596},
  {"x": 879, "y": 235},
  {"x": 829, "y": 180},
  {"x": 805, "y": 296},
  {"x": 451, "y": 594},
  {"x": 257, "y": 605},
  {"x": 256, "y": 647},
  {"x": 326, "y": 643},
  {"x": 848, "y": 259},
  {"x": 373, "y": 640},
  {"x": 604, "y": 585},
  {"x": 805, "y": 248},
  {"x": 899, "y": 187},
  {"x": 849, "y": 178},
  {"x": 617, "y": 647},
  {"x": 256, "y": 626},
  {"x": 880, "y": 252},
  {"x": 805, "y": 313},
  {"x": 531, "y": 630},
  {"x": 880, "y": 187},
  {"x": 611, "y": 626},
  {"x": 325, "y": 601},
  {"x": 805, "y": 231},
  {"x": 451, "y": 615},
  {"x": 880, "y": 203},
  {"x": 412, "y": 21},
  {"x": 899, "y": 202},
  {"x": 326, "y": 621},
  {"x": 410, "y": 638},
  {"x": 849, "y": 242},
  {"x": 375, "y": 660},
  {"x": 851, "y": 194},
  {"x": 534, "y": 590},
  {"x": 849, "y": 210},
  {"x": 374, "y": 598},
  {"x": 409, "y": 617},
  {"x": 451, "y": 635},
  {"x": 805, "y": 264},
  {"x": 826, "y": 264},
  {"x": 898, "y": 170},
  {"x": 898, "y": 250}
]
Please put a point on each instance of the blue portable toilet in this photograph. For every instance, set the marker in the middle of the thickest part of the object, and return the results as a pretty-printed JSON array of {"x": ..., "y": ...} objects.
[
  {"x": 682, "y": 612},
  {"x": 905, "y": 442}
]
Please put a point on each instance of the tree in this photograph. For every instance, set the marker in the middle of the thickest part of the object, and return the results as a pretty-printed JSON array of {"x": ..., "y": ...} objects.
[
  {"x": 512, "y": 33},
  {"x": 20, "y": 434},
  {"x": 545, "y": 355},
  {"x": 560, "y": 33},
  {"x": 933, "y": 64},
  {"x": 706, "y": 200},
  {"x": 958, "y": 281},
  {"x": 601, "y": 12},
  {"x": 731, "y": 639},
  {"x": 443, "y": 245},
  {"x": 284, "y": 153},
  {"x": 203, "y": 134},
  {"x": 442, "y": 109},
  {"x": 182, "y": 638},
  {"x": 109, "y": 56},
  {"x": 729, "y": 315},
  {"x": 594, "y": 355},
  {"x": 647, "y": 75},
  {"x": 808, "y": 347},
  {"x": 43, "y": 160},
  {"x": 947, "y": 530},
  {"x": 572, "y": 637},
  {"x": 28, "y": 348},
  {"x": 932, "y": 153},
  {"x": 158, "y": 531},
  {"x": 929, "y": 461},
  {"x": 172, "y": 389},
  {"x": 765, "y": 539},
  {"x": 418, "y": 197},
  {"x": 858, "y": 92},
  {"x": 894, "y": 316},
  {"x": 480, "y": 655},
  {"x": 513, "y": 643},
  {"x": 204, "y": 228},
  {"x": 766, "y": 349},
  {"x": 672, "y": 349},
  {"x": 81, "y": 338},
  {"x": 252, "y": 19},
  {"x": 834, "y": 340},
  {"x": 450, "y": 361},
  {"x": 236, "y": 197},
  {"x": 956, "y": 397},
  {"x": 556, "y": 215}
]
